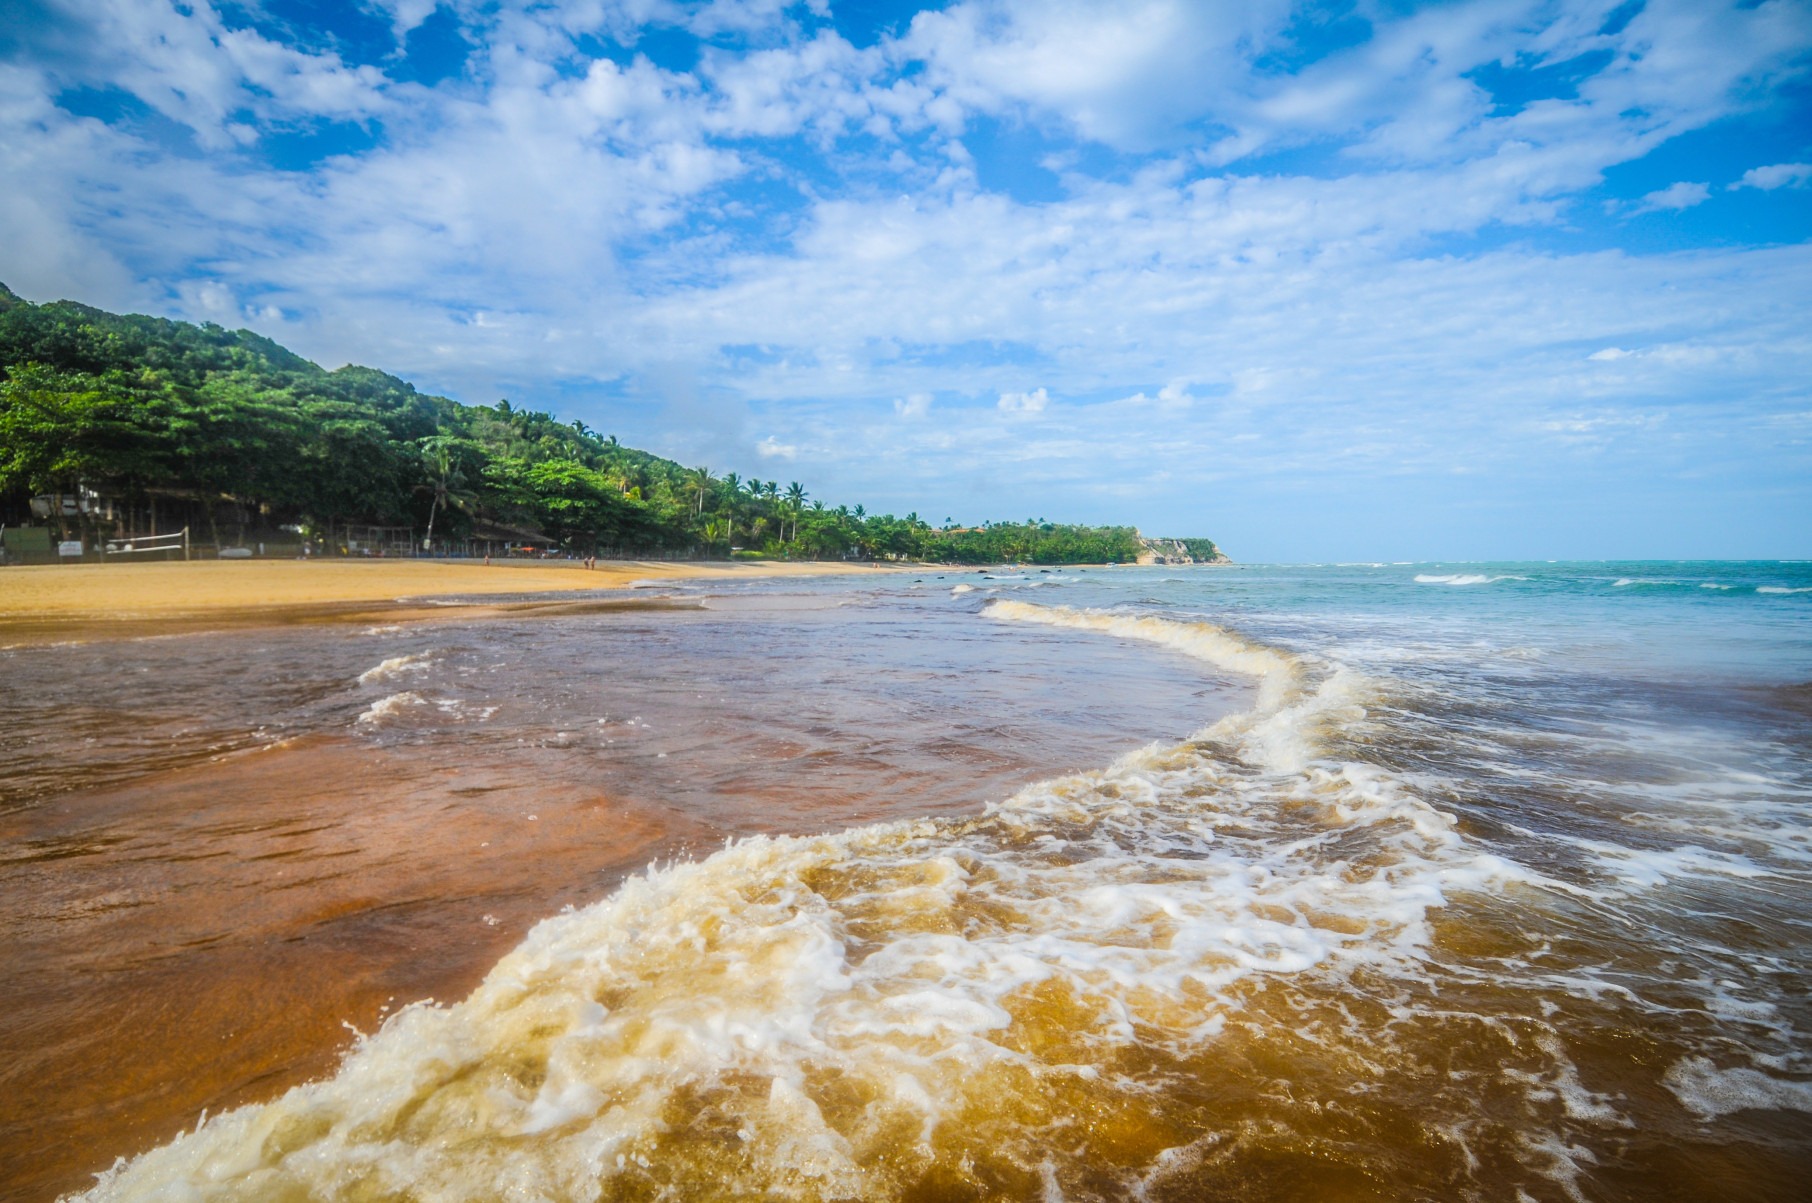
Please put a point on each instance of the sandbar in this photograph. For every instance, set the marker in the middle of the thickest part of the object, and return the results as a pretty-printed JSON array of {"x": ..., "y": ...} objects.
[{"x": 50, "y": 602}]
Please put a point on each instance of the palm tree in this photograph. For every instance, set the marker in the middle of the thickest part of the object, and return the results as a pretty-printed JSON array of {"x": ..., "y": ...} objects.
[
  {"x": 795, "y": 500},
  {"x": 714, "y": 534},
  {"x": 698, "y": 481},
  {"x": 733, "y": 493},
  {"x": 756, "y": 491},
  {"x": 446, "y": 482}
]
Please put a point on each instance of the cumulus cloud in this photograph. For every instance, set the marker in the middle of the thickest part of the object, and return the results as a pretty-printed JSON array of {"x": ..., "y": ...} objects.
[
  {"x": 1674, "y": 197},
  {"x": 1780, "y": 175},
  {"x": 1242, "y": 234},
  {"x": 1024, "y": 403}
]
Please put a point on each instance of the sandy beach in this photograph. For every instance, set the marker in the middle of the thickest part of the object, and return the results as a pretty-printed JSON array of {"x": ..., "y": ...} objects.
[{"x": 97, "y": 600}]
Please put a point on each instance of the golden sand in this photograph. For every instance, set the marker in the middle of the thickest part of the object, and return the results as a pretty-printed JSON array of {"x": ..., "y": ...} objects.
[{"x": 94, "y": 597}]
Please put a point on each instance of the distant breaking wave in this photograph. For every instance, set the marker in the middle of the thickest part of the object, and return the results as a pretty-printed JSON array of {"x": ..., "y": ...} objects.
[{"x": 1462, "y": 578}]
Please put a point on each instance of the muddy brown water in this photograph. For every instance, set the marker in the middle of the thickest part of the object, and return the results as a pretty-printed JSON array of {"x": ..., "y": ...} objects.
[{"x": 221, "y": 852}]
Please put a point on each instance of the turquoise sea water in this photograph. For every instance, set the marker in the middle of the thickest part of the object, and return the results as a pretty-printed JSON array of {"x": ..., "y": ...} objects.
[{"x": 1502, "y": 888}]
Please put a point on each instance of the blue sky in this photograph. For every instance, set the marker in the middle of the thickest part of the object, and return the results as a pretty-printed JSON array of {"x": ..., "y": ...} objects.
[{"x": 1511, "y": 278}]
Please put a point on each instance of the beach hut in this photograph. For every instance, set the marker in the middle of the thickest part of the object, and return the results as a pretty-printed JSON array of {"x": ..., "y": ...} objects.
[
  {"x": 379, "y": 540},
  {"x": 499, "y": 539}
]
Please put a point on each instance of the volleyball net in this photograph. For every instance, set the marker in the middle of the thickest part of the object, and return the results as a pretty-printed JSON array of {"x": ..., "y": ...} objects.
[{"x": 170, "y": 545}]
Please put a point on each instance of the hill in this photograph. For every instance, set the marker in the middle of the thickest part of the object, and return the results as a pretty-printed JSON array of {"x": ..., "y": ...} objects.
[{"x": 127, "y": 424}]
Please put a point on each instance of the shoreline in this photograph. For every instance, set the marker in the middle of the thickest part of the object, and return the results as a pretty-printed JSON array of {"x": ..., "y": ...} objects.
[
  {"x": 55, "y": 602},
  {"x": 196, "y": 932}
]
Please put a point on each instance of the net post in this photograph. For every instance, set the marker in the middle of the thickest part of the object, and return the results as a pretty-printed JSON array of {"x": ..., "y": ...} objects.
[{"x": 185, "y": 545}]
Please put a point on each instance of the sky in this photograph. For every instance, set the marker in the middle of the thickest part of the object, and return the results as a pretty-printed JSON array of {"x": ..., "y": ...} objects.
[{"x": 1325, "y": 281}]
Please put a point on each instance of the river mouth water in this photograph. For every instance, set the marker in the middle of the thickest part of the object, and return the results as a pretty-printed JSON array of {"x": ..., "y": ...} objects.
[
  {"x": 1332, "y": 882},
  {"x": 221, "y": 849}
]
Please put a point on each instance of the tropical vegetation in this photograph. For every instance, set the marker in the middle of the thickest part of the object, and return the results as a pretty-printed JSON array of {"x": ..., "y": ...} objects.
[{"x": 238, "y": 434}]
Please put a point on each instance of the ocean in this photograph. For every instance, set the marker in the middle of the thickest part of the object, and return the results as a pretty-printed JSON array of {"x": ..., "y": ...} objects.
[{"x": 1355, "y": 881}]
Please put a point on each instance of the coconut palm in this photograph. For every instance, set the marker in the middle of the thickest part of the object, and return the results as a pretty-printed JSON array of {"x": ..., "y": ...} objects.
[
  {"x": 732, "y": 495},
  {"x": 698, "y": 482},
  {"x": 446, "y": 482},
  {"x": 795, "y": 503}
]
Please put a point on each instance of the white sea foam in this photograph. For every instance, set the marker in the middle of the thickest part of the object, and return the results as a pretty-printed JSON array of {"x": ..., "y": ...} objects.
[
  {"x": 397, "y": 666},
  {"x": 391, "y": 706},
  {"x": 1650, "y": 868},
  {"x": 1708, "y": 1092},
  {"x": 956, "y": 590},
  {"x": 463, "y": 711},
  {"x": 1782, "y": 589},
  {"x": 904, "y": 962},
  {"x": 1463, "y": 578}
]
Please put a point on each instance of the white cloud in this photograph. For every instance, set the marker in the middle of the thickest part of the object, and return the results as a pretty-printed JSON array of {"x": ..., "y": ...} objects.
[
  {"x": 1127, "y": 75},
  {"x": 1674, "y": 197},
  {"x": 1024, "y": 403},
  {"x": 191, "y": 66},
  {"x": 580, "y": 235},
  {"x": 405, "y": 15},
  {"x": 1780, "y": 175}
]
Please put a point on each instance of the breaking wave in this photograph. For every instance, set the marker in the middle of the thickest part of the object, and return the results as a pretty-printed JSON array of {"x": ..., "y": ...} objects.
[
  {"x": 1124, "y": 982},
  {"x": 1462, "y": 578},
  {"x": 391, "y": 706},
  {"x": 397, "y": 666}
]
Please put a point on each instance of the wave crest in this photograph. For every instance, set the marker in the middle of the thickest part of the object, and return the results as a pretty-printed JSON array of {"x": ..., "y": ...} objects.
[{"x": 853, "y": 1015}]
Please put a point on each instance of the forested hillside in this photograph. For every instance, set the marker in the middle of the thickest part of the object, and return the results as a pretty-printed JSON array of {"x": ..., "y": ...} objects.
[{"x": 240, "y": 437}]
